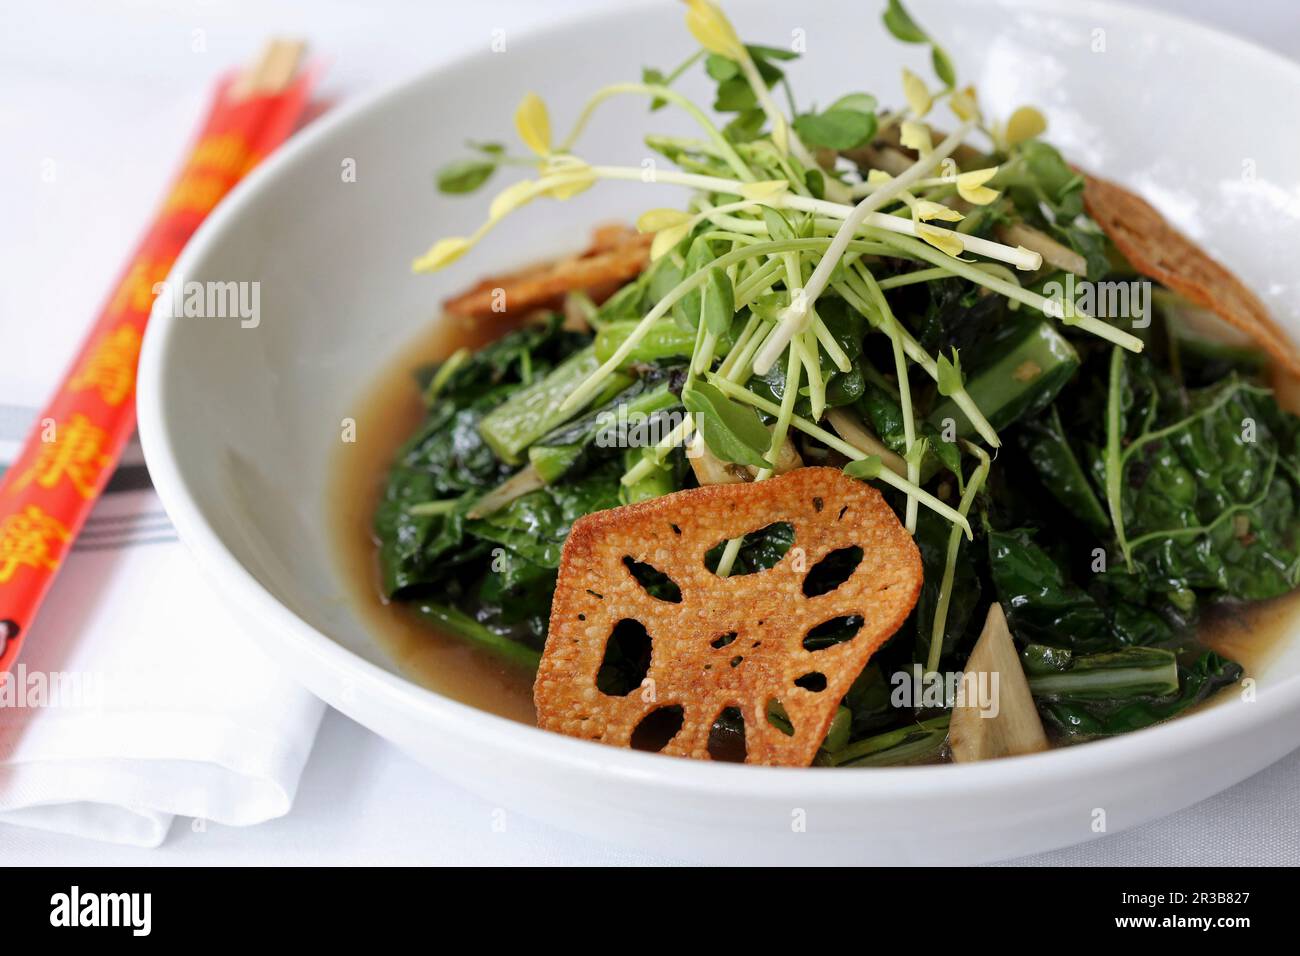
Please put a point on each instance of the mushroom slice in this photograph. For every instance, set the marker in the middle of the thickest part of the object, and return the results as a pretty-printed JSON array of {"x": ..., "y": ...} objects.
[
  {"x": 1008, "y": 724},
  {"x": 855, "y": 432},
  {"x": 711, "y": 470},
  {"x": 1053, "y": 253}
]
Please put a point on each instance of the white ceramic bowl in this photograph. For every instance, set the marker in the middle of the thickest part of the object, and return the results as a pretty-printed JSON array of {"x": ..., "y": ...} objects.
[{"x": 240, "y": 426}]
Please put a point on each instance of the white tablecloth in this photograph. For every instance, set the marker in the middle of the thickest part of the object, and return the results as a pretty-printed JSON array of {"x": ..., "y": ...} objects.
[{"x": 109, "y": 91}]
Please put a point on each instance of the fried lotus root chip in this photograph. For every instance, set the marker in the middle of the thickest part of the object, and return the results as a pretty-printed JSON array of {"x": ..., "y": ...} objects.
[
  {"x": 616, "y": 255},
  {"x": 1158, "y": 250},
  {"x": 735, "y": 642}
]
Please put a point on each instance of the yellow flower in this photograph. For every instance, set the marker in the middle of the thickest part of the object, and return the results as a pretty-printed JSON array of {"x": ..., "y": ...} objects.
[
  {"x": 915, "y": 136},
  {"x": 1025, "y": 123},
  {"x": 534, "y": 124},
  {"x": 945, "y": 240},
  {"x": 918, "y": 97},
  {"x": 711, "y": 28},
  {"x": 964, "y": 104},
  {"x": 970, "y": 186},
  {"x": 926, "y": 210},
  {"x": 443, "y": 253}
]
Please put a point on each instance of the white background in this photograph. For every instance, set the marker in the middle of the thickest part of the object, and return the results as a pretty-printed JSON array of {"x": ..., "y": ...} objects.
[{"x": 108, "y": 92}]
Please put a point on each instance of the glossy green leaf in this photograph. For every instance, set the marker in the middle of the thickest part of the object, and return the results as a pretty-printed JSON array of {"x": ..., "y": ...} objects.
[
  {"x": 732, "y": 431},
  {"x": 465, "y": 176},
  {"x": 718, "y": 303},
  {"x": 836, "y": 128},
  {"x": 900, "y": 23}
]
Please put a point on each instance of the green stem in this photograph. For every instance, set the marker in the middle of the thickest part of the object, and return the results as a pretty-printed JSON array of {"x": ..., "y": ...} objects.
[
  {"x": 904, "y": 745},
  {"x": 585, "y": 390},
  {"x": 727, "y": 151},
  {"x": 1132, "y": 672},
  {"x": 845, "y": 449},
  {"x": 950, "y": 559},
  {"x": 1010, "y": 290},
  {"x": 1114, "y": 459},
  {"x": 463, "y": 625},
  {"x": 779, "y": 430},
  {"x": 890, "y": 325}
]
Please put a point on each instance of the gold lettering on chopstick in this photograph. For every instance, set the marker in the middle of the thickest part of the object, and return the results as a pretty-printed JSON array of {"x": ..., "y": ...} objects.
[
  {"x": 78, "y": 453},
  {"x": 110, "y": 368},
  {"x": 227, "y": 153},
  {"x": 136, "y": 291},
  {"x": 27, "y": 539}
]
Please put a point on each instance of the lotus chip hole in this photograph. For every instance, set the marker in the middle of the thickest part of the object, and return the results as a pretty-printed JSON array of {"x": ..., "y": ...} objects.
[
  {"x": 626, "y": 661},
  {"x": 759, "y": 550},
  {"x": 835, "y": 631},
  {"x": 727, "y": 736},
  {"x": 736, "y": 661},
  {"x": 722, "y": 640},
  {"x": 832, "y": 571},
  {"x": 778, "y": 718},
  {"x": 814, "y": 681},
  {"x": 657, "y": 728},
  {"x": 656, "y": 584}
]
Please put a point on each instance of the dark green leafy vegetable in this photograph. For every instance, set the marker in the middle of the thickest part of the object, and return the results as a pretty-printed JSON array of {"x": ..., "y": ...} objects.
[
  {"x": 461, "y": 624},
  {"x": 1202, "y": 485},
  {"x": 626, "y": 421},
  {"x": 1081, "y": 719},
  {"x": 532, "y": 411},
  {"x": 1020, "y": 377},
  {"x": 1045, "y": 441},
  {"x": 964, "y": 597},
  {"x": 1042, "y": 604},
  {"x": 1115, "y": 498},
  {"x": 914, "y": 744},
  {"x": 536, "y": 524},
  {"x": 1132, "y": 672}
]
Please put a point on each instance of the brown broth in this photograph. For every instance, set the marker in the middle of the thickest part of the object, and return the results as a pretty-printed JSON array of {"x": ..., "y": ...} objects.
[
  {"x": 1250, "y": 634},
  {"x": 387, "y": 414},
  {"x": 390, "y": 411}
]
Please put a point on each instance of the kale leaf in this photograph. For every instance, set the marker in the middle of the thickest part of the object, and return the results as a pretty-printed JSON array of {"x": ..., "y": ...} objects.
[
  {"x": 1204, "y": 483},
  {"x": 1074, "y": 718}
]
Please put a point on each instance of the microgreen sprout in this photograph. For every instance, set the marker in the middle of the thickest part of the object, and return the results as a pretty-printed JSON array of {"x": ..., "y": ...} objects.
[{"x": 768, "y": 232}]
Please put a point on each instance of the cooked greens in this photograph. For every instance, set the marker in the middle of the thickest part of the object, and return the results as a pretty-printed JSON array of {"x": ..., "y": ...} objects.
[{"x": 847, "y": 283}]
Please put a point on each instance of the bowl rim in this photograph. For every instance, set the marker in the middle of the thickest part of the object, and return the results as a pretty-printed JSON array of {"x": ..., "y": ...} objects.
[{"x": 1166, "y": 741}]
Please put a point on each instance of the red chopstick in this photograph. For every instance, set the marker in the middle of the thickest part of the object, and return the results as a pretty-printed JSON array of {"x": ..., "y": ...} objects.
[{"x": 48, "y": 493}]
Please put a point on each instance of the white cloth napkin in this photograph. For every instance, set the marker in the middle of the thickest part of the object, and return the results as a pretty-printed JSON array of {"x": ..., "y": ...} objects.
[{"x": 136, "y": 698}]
